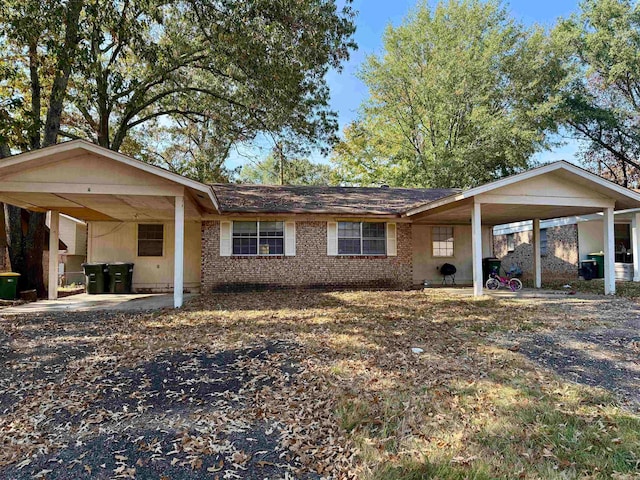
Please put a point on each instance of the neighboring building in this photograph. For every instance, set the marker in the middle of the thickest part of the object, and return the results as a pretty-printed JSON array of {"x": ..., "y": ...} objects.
[
  {"x": 184, "y": 235},
  {"x": 565, "y": 242},
  {"x": 73, "y": 233}
]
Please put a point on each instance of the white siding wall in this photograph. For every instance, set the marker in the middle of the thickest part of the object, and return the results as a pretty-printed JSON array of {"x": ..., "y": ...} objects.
[
  {"x": 117, "y": 242},
  {"x": 590, "y": 238}
]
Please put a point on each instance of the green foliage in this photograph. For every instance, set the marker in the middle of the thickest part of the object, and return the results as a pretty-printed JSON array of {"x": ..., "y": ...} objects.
[
  {"x": 460, "y": 96},
  {"x": 602, "y": 104},
  {"x": 235, "y": 69},
  {"x": 296, "y": 171}
]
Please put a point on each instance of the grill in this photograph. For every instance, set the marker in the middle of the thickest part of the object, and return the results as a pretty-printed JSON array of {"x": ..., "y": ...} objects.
[{"x": 448, "y": 270}]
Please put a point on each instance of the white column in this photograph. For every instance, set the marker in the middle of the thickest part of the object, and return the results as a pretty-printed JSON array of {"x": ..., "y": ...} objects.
[
  {"x": 635, "y": 246},
  {"x": 476, "y": 248},
  {"x": 178, "y": 252},
  {"x": 537, "y": 257},
  {"x": 54, "y": 238},
  {"x": 609, "y": 253}
]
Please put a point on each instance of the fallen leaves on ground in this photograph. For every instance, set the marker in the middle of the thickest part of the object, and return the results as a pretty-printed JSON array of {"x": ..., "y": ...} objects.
[{"x": 303, "y": 384}]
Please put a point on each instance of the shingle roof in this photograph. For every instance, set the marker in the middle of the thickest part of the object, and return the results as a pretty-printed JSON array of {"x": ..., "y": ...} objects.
[{"x": 234, "y": 198}]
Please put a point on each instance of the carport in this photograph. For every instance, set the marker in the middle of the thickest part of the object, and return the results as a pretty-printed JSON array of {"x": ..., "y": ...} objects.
[
  {"x": 95, "y": 184},
  {"x": 556, "y": 190}
]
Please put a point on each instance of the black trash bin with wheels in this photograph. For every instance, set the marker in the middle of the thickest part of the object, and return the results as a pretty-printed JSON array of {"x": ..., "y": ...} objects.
[
  {"x": 490, "y": 264},
  {"x": 96, "y": 274},
  {"x": 588, "y": 269},
  {"x": 120, "y": 277}
]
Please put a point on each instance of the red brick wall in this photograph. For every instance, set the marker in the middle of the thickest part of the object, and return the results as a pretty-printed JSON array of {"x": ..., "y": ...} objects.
[{"x": 311, "y": 266}]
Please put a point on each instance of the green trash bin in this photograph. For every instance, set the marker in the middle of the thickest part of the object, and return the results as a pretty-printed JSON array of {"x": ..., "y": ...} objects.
[
  {"x": 9, "y": 285},
  {"x": 96, "y": 277},
  {"x": 599, "y": 258},
  {"x": 120, "y": 277},
  {"x": 489, "y": 265}
]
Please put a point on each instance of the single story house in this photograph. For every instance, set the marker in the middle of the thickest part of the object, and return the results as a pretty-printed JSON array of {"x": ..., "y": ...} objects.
[
  {"x": 185, "y": 235},
  {"x": 566, "y": 242}
]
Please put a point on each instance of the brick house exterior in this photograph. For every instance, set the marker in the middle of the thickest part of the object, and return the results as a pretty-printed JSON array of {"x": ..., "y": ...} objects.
[
  {"x": 311, "y": 266},
  {"x": 560, "y": 261}
]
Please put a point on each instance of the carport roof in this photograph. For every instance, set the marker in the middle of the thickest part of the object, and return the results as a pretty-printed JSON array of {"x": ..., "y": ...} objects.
[{"x": 501, "y": 206}]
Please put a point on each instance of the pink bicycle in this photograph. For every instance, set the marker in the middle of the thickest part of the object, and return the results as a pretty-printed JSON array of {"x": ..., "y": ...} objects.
[{"x": 495, "y": 281}]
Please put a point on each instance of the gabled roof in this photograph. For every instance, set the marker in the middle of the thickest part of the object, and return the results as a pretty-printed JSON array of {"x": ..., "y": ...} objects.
[
  {"x": 234, "y": 198},
  {"x": 75, "y": 147},
  {"x": 625, "y": 197}
]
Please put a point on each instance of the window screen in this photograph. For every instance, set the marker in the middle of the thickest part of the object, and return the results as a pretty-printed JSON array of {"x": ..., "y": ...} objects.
[
  {"x": 258, "y": 238},
  {"x": 361, "y": 238},
  {"x": 442, "y": 241},
  {"x": 150, "y": 240},
  {"x": 543, "y": 241}
]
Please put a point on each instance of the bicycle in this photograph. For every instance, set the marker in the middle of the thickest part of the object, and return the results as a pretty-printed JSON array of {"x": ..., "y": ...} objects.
[{"x": 495, "y": 281}]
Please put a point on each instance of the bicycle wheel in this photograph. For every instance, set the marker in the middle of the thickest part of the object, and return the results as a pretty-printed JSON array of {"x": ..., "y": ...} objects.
[
  {"x": 515, "y": 284},
  {"x": 492, "y": 284}
]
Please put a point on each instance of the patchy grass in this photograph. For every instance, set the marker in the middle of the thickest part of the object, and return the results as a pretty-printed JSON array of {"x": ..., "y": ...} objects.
[
  {"x": 595, "y": 286},
  {"x": 349, "y": 398}
]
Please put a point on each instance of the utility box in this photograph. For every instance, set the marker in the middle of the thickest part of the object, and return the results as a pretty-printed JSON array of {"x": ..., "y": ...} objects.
[
  {"x": 9, "y": 285},
  {"x": 96, "y": 274},
  {"x": 120, "y": 277}
]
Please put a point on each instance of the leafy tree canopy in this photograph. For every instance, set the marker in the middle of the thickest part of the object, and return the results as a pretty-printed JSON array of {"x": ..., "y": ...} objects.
[
  {"x": 602, "y": 102},
  {"x": 276, "y": 171},
  {"x": 460, "y": 95}
]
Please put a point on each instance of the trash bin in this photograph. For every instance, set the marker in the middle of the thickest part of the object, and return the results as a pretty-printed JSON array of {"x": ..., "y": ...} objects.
[
  {"x": 599, "y": 258},
  {"x": 96, "y": 277},
  {"x": 120, "y": 277},
  {"x": 588, "y": 269},
  {"x": 9, "y": 285},
  {"x": 490, "y": 264}
]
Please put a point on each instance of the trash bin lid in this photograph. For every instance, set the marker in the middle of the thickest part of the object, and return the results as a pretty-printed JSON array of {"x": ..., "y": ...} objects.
[
  {"x": 9, "y": 274},
  {"x": 93, "y": 264}
]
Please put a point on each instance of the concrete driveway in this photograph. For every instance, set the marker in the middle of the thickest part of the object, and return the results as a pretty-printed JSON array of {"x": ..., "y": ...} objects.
[{"x": 85, "y": 303}]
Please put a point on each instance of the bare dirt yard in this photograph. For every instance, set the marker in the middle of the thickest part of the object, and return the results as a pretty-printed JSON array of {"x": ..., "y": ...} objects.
[{"x": 318, "y": 384}]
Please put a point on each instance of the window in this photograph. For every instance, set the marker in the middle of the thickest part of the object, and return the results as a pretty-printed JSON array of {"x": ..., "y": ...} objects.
[
  {"x": 258, "y": 238},
  {"x": 361, "y": 238},
  {"x": 511, "y": 242},
  {"x": 150, "y": 240},
  {"x": 442, "y": 241},
  {"x": 543, "y": 241}
]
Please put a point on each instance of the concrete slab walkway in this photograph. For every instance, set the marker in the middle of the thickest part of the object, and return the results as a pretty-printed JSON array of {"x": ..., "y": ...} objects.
[{"x": 84, "y": 303}]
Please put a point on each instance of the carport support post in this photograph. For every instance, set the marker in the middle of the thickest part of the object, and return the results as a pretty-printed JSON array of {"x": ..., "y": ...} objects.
[
  {"x": 537, "y": 256},
  {"x": 54, "y": 236},
  {"x": 476, "y": 248},
  {"x": 635, "y": 245},
  {"x": 609, "y": 253},
  {"x": 178, "y": 252}
]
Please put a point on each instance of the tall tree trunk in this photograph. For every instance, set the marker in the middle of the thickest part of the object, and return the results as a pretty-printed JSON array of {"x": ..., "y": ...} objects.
[{"x": 61, "y": 79}]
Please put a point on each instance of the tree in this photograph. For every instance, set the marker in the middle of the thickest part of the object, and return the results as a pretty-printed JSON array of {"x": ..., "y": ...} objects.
[
  {"x": 459, "y": 97},
  {"x": 275, "y": 171},
  {"x": 27, "y": 26},
  {"x": 107, "y": 70},
  {"x": 601, "y": 104}
]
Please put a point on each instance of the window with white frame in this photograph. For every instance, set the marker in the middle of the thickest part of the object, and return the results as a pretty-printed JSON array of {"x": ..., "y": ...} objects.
[
  {"x": 150, "y": 240},
  {"x": 361, "y": 238},
  {"x": 442, "y": 241},
  {"x": 511, "y": 242},
  {"x": 258, "y": 238}
]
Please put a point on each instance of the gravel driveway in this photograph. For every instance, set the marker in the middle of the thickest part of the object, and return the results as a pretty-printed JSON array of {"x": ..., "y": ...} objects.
[{"x": 603, "y": 351}]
